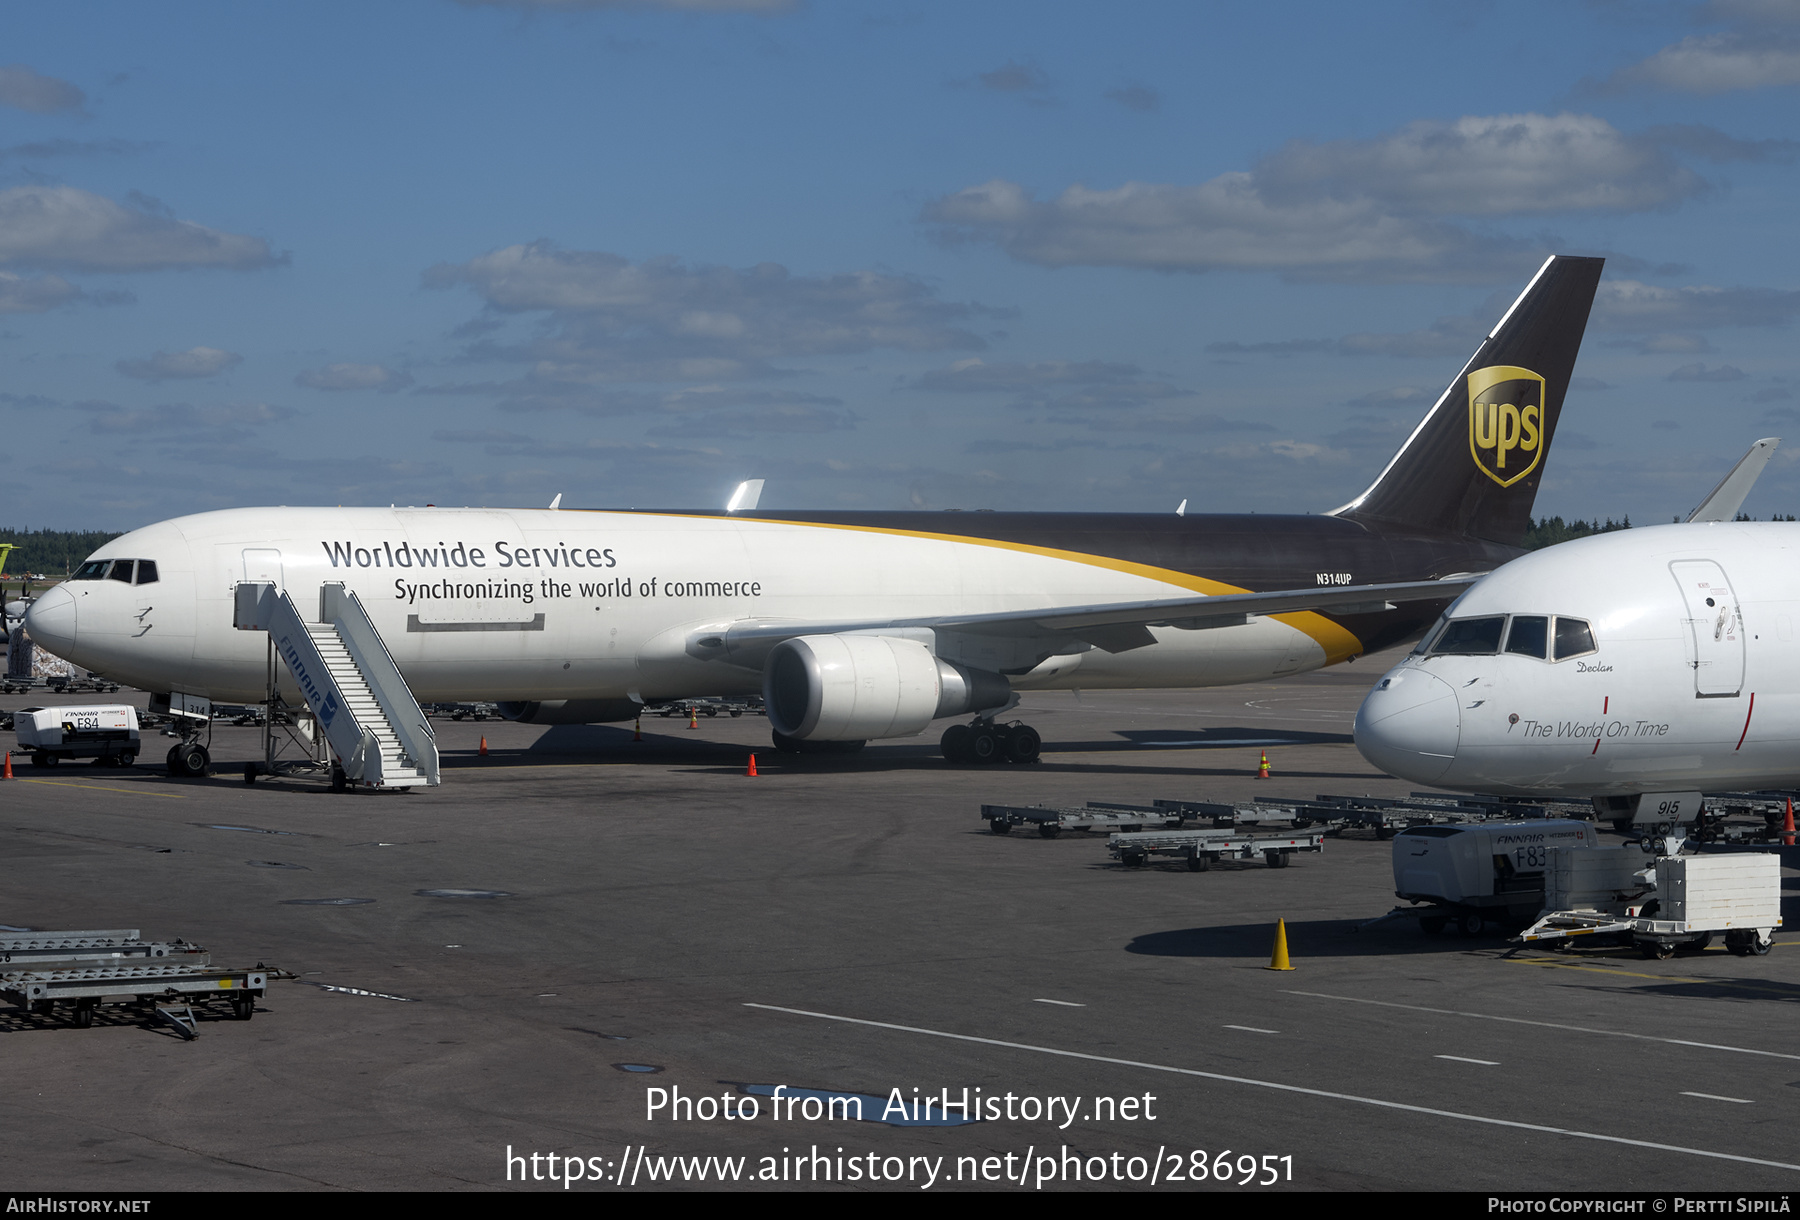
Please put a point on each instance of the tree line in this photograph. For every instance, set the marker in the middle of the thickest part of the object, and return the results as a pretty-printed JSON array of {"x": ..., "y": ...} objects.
[{"x": 51, "y": 552}]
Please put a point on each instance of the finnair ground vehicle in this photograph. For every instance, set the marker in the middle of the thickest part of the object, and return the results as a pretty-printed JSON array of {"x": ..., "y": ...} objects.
[
  {"x": 1640, "y": 668},
  {"x": 853, "y": 626},
  {"x": 105, "y": 733}
]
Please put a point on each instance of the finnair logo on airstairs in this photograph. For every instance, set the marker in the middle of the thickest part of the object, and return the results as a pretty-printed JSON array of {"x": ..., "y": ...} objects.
[{"x": 326, "y": 700}]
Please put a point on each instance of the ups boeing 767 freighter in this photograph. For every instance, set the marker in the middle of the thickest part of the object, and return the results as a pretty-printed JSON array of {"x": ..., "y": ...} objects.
[{"x": 854, "y": 625}]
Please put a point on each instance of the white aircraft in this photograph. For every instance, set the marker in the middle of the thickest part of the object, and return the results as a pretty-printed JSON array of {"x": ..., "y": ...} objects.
[
  {"x": 851, "y": 625},
  {"x": 1641, "y": 668}
]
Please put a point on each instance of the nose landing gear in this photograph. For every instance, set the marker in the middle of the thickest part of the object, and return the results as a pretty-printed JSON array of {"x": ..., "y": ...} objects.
[{"x": 189, "y": 760}]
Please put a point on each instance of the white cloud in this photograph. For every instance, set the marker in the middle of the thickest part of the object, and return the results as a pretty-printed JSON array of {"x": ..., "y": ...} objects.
[
  {"x": 1699, "y": 372},
  {"x": 1053, "y": 384},
  {"x": 660, "y": 320},
  {"x": 1388, "y": 208},
  {"x": 1486, "y": 165},
  {"x": 63, "y": 227},
  {"x": 1630, "y": 305},
  {"x": 354, "y": 377},
  {"x": 1224, "y": 224},
  {"x": 194, "y": 363},
  {"x": 1717, "y": 63},
  {"x": 18, "y": 294},
  {"x": 25, "y": 89},
  {"x": 178, "y": 421}
]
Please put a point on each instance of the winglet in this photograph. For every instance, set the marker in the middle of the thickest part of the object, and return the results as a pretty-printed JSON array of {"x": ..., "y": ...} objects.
[{"x": 1725, "y": 499}]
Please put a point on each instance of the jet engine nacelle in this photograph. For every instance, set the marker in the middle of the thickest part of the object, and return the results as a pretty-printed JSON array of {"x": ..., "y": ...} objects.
[
  {"x": 571, "y": 711},
  {"x": 855, "y": 687}
]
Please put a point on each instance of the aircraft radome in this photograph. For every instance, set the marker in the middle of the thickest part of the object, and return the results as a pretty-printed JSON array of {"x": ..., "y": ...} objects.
[
  {"x": 1640, "y": 668},
  {"x": 856, "y": 625}
]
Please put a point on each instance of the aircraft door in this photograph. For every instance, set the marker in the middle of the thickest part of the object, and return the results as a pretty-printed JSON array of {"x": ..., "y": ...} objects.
[
  {"x": 1715, "y": 628},
  {"x": 262, "y": 565}
]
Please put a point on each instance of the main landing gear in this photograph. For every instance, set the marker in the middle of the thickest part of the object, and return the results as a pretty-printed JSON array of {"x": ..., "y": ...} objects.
[{"x": 986, "y": 742}]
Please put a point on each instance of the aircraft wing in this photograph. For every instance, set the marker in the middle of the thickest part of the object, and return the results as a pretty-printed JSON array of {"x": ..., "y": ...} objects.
[{"x": 1110, "y": 626}]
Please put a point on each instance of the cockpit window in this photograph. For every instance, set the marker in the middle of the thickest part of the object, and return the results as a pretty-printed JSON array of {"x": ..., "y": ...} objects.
[
  {"x": 146, "y": 571},
  {"x": 93, "y": 569},
  {"x": 122, "y": 570},
  {"x": 1470, "y": 637},
  {"x": 1574, "y": 638},
  {"x": 1430, "y": 637},
  {"x": 1530, "y": 635}
]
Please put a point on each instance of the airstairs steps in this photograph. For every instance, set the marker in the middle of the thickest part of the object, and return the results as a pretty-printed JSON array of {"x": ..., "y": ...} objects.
[{"x": 347, "y": 676}]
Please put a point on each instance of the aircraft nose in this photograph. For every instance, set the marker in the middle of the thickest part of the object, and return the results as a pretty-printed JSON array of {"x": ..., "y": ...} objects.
[
  {"x": 51, "y": 621},
  {"x": 1410, "y": 726}
]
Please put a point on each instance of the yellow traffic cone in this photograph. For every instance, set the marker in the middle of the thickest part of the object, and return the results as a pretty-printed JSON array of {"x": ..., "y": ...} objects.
[
  {"x": 693, "y": 718},
  {"x": 1278, "y": 960},
  {"x": 1263, "y": 771},
  {"x": 637, "y": 730}
]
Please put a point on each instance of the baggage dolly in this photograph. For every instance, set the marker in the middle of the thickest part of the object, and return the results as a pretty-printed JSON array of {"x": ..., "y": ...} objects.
[
  {"x": 1202, "y": 848},
  {"x": 42, "y": 971}
]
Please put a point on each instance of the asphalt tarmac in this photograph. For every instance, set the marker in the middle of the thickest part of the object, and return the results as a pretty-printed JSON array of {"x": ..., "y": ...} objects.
[{"x": 576, "y": 926}]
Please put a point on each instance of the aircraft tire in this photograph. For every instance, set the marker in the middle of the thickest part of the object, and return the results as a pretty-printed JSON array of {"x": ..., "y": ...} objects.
[
  {"x": 984, "y": 745},
  {"x": 954, "y": 744},
  {"x": 192, "y": 762},
  {"x": 170, "y": 760},
  {"x": 1023, "y": 745}
]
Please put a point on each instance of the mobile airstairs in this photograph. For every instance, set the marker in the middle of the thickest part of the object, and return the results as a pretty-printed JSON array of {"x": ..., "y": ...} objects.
[{"x": 360, "y": 703}]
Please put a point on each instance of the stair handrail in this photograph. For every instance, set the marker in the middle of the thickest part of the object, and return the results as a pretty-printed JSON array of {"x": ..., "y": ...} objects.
[{"x": 341, "y": 608}]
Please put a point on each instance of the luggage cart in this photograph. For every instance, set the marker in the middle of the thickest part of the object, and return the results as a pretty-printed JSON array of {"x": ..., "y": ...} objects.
[
  {"x": 1051, "y": 822},
  {"x": 42, "y": 972},
  {"x": 1203, "y": 848}
]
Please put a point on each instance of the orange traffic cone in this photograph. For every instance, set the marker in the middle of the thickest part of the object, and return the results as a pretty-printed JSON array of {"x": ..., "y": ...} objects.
[
  {"x": 752, "y": 768},
  {"x": 1787, "y": 828},
  {"x": 1263, "y": 771},
  {"x": 9, "y": 775},
  {"x": 1278, "y": 960},
  {"x": 693, "y": 718},
  {"x": 637, "y": 730},
  {"x": 484, "y": 747}
]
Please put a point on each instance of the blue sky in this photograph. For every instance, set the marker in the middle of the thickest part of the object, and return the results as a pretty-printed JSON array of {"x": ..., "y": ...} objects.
[{"x": 1020, "y": 256}]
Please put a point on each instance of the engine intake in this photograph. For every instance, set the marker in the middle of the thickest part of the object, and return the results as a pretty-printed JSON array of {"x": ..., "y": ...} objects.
[{"x": 856, "y": 687}]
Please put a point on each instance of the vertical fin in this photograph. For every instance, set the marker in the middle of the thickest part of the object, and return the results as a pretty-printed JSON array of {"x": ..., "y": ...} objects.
[{"x": 1473, "y": 464}]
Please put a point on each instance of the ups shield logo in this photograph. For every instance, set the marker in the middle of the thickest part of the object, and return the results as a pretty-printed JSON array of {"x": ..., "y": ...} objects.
[{"x": 1506, "y": 421}]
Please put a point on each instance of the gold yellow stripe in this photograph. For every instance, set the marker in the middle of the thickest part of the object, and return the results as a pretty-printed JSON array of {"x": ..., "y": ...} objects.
[
  {"x": 63, "y": 783},
  {"x": 1337, "y": 641}
]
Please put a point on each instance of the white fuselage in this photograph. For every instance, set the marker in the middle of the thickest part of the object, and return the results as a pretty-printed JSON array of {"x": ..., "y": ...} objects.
[
  {"x": 1693, "y": 683},
  {"x": 498, "y": 604}
]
